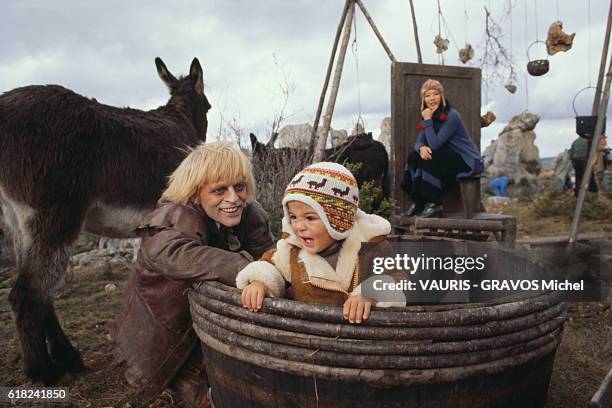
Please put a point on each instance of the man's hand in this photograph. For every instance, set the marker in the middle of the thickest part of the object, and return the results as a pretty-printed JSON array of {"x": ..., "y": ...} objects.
[
  {"x": 427, "y": 113},
  {"x": 253, "y": 295},
  {"x": 425, "y": 152},
  {"x": 356, "y": 309}
]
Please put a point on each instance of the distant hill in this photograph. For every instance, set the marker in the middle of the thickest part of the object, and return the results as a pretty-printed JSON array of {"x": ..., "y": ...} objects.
[{"x": 547, "y": 162}]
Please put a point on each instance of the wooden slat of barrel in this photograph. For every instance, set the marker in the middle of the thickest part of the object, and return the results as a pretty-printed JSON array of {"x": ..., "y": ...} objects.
[
  {"x": 448, "y": 315},
  {"x": 258, "y": 387},
  {"x": 377, "y": 377},
  {"x": 372, "y": 347},
  {"x": 334, "y": 359},
  {"x": 395, "y": 333}
]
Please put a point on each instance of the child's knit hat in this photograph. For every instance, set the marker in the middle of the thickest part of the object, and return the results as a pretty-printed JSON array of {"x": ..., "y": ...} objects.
[
  {"x": 331, "y": 190},
  {"x": 432, "y": 84}
]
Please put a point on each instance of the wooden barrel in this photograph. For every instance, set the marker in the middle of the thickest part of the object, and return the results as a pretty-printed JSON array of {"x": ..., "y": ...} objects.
[{"x": 290, "y": 354}]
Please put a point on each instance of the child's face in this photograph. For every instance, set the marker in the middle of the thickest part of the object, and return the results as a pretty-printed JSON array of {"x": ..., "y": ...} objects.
[{"x": 308, "y": 227}]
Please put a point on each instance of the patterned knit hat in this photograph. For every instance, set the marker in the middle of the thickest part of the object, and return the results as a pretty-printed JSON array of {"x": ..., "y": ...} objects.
[
  {"x": 428, "y": 85},
  {"x": 331, "y": 190}
]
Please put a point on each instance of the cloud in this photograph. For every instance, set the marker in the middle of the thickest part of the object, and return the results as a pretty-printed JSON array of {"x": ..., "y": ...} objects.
[{"x": 106, "y": 50}]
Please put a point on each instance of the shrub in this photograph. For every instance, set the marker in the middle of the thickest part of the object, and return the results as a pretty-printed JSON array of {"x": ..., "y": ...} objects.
[
  {"x": 554, "y": 203},
  {"x": 272, "y": 174},
  {"x": 369, "y": 194}
]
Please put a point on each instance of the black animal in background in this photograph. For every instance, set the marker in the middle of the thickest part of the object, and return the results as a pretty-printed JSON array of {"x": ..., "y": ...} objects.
[
  {"x": 358, "y": 149},
  {"x": 267, "y": 158},
  {"x": 69, "y": 163}
]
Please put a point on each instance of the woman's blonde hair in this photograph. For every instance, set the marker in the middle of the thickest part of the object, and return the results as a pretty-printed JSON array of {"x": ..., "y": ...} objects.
[{"x": 208, "y": 163}]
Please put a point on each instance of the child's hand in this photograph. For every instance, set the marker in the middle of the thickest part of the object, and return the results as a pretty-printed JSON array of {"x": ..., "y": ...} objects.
[
  {"x": 356, "y": 309},
  {"x": 253, "y": 295}
]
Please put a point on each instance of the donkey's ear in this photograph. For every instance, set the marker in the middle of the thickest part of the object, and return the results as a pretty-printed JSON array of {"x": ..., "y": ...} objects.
[
  {"x": 195, "y": 72},
  {"x": 253, "y": 141},
  {"x": 164, "y": 74}
]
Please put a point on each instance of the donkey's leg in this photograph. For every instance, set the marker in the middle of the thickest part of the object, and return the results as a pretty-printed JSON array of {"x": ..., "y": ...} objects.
[
  {"x": 60, "y": 349},
  {"x": 32, "y": 300},
  {"x": 31, "y": 308},
  {"x": 67, "y": 357}
]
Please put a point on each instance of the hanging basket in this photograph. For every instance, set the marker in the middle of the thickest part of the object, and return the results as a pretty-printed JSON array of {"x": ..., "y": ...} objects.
[
  {"x": 585, "y": 125},
  {"x": 537, "y": 67}
]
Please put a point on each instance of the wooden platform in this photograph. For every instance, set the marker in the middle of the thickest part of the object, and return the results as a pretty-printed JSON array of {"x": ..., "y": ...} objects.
[{"x": 478, "y": 228}]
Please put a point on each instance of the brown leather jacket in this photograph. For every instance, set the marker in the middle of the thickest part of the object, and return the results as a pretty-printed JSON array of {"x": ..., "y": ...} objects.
[{"x": 154, "y": 333}]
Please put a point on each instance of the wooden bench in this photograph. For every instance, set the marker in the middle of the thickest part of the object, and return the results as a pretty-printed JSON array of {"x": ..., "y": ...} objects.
[
  {"x": 478, "y": 228},
  {"x": 463, "y": 197},
  {"x": 463, "y": 217}
]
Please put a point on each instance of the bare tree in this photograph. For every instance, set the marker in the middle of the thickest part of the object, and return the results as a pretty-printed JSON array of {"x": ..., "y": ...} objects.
[
  {"x": 496, "y": 61},
  {"x": 280, "y": 115}
]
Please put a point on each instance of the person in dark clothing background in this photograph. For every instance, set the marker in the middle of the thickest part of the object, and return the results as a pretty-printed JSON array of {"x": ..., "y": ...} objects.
[
  {"x": 444, "y": 151},
  {"x": 579, "y": 154}
]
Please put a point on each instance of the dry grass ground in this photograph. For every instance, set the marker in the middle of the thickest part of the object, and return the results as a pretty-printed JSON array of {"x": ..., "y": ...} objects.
[
  {"x": 87, "y": 312},
  {"x": 585, "y": 354}
]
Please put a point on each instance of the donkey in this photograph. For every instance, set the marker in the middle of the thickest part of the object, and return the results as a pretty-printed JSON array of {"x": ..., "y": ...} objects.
[{"x": 69, "y": 163}]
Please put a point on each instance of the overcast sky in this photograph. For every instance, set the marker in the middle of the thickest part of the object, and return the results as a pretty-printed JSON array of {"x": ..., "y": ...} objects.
[{"x": 248, "y": 49}]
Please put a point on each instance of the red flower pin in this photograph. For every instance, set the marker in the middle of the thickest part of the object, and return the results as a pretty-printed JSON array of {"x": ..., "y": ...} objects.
[
  {"x": 442, "y": 117},
  {"x": 420, "y": 126}
]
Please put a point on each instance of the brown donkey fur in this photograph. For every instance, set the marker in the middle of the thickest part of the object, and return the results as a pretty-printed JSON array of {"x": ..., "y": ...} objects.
[{"x": 69, "y": 163}]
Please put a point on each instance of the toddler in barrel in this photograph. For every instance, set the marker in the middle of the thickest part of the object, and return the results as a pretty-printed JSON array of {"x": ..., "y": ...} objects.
[{"x": 318, "y": 256}]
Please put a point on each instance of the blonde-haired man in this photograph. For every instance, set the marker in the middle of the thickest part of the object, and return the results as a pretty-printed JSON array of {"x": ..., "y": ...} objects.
[{"x": 207, "y": 226}]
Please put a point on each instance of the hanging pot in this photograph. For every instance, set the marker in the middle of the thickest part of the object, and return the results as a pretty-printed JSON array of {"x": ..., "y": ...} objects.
[
  {"x": 537, "y": 67},
  {"x": 585, "y": 125}
]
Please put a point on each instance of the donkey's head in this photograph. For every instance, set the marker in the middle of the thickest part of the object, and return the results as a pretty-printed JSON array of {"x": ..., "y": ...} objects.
[
  {"x": 257, "y": 147},
  {"x": 188, "y": 92}
]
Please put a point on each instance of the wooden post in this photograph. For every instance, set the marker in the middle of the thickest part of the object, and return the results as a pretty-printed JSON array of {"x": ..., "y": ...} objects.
[
  {"x": 602, "y": 64},
  {"x": 603, "y": 396},
  {"x": 332, "y": 57},
  {"x": 592, "y": 156},
  {"x": 416, "y": 33},
  {"x": 322, "y": 139},
  {"x": 380, "y": 38},
  {"x": 595, "y": 111}
]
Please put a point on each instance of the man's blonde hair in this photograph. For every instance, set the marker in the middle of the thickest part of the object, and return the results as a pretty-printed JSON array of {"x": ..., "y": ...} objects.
[{"x": 208, "y": 163}]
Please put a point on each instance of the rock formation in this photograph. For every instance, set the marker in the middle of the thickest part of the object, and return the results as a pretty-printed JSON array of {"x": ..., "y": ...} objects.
[
  {"x": 298, "y": 136},
  {"x": 385, "y": 134},
  {"x": 514, "y": 153}
]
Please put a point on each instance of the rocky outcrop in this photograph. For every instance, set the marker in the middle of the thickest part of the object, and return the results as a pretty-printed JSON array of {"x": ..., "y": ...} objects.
[
  {"x": 104, "y": 255},
  {"x": 385, "y": 134},
  {"x": 298, "y": 136},
  {"x": 514, "y": 153}
]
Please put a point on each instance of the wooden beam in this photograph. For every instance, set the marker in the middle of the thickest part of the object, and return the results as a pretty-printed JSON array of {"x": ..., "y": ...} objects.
[
  {"x": 378, "y": 35},
  {"x": 332, "y": 57},
  {"x": 592, "y": 156},
  {"x": 603, "y": 396},
  {"x": 602, "y": 64},
  {"x": 416, "y": 33},
  {"x": 322, "y": 139}
]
